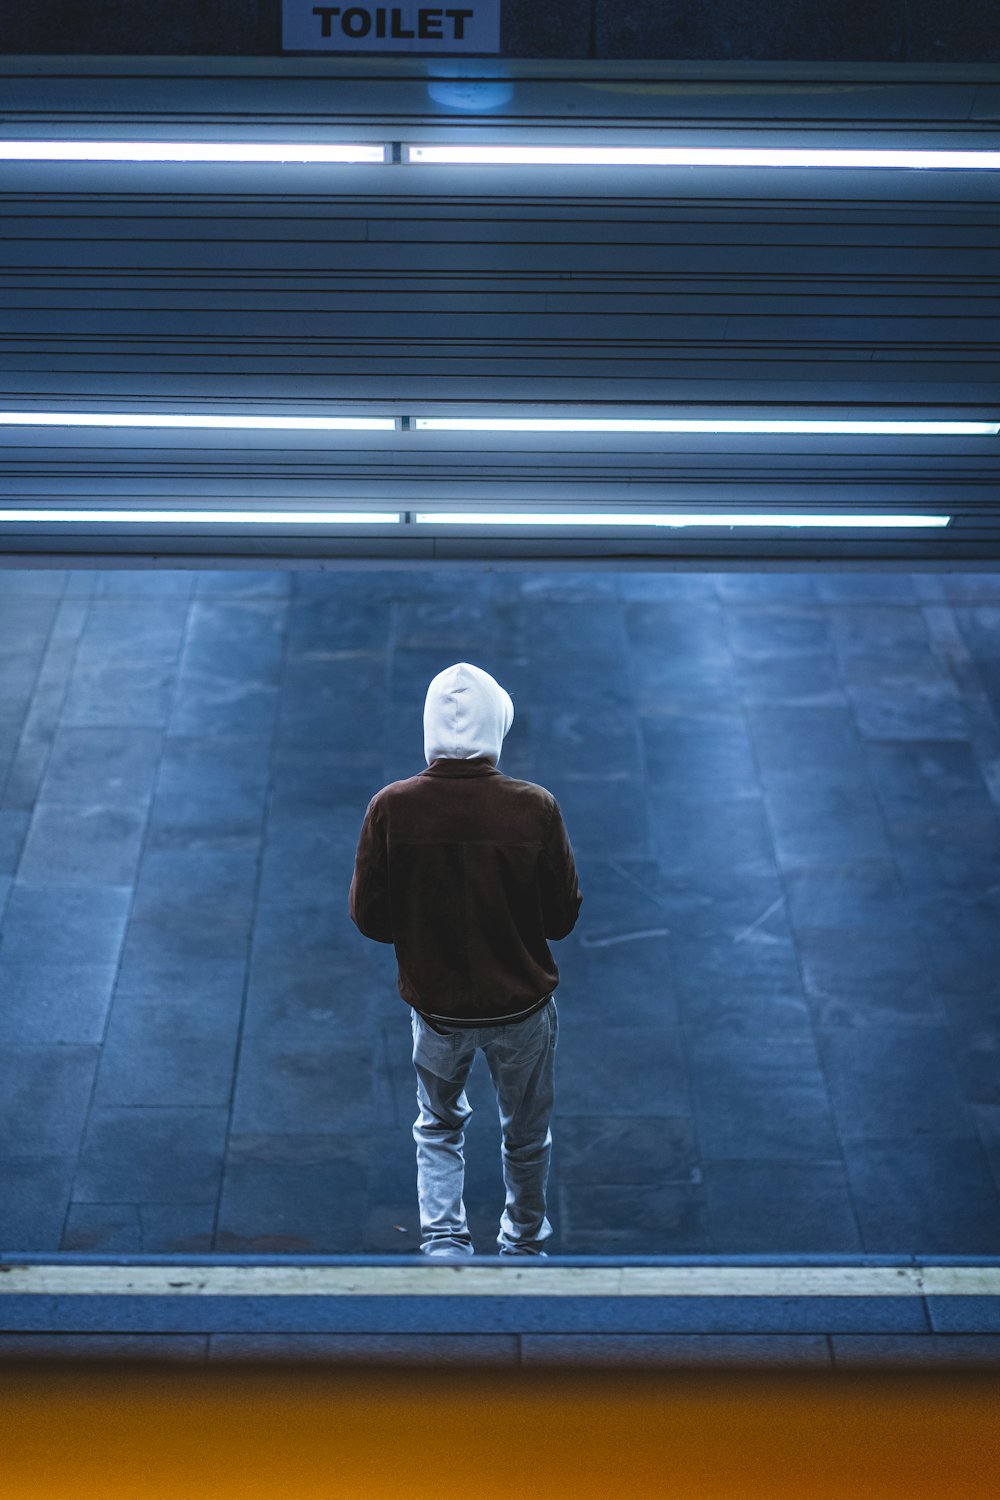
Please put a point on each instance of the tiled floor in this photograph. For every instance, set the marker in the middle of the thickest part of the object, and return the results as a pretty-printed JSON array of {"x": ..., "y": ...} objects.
[
  {"x": 780, "y": 1009},
  {"x": 809, "y": 1351}
]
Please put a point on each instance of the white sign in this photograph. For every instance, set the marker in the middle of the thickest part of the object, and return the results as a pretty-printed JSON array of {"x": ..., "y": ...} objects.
[{"x": 471, "y": 26}]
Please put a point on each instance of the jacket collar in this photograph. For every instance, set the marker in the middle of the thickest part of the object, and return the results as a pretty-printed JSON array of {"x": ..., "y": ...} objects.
[{"x": 481, "y": 766}]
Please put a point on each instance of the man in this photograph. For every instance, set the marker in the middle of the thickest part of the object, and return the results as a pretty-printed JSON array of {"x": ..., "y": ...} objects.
[{"x": 467, "y": 872}]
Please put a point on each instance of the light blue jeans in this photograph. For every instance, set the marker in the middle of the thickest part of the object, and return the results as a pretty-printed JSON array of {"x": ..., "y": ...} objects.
[{"x": 521, "y": 1060}]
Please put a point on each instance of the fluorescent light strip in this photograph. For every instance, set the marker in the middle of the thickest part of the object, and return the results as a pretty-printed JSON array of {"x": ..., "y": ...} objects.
[
  {"x": 206, "y": 517},
  {"x": 220, "y": 420},
  {"x": 699, "y": 156},
  {"x": 713, "y": 424},
  {"x": 638, "y": 518},
  {"x": 497, "y": 155},
  {"x": 264, "y": 423},
  {"x": 462, "y": 518},
  {"x": 231, "y": 151}
]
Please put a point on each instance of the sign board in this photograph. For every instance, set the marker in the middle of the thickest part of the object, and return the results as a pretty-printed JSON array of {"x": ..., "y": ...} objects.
[{"x": 471, "y": 26}]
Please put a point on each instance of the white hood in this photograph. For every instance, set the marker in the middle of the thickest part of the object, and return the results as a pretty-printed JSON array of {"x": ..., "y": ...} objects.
[{"x": 466, "y": 713}]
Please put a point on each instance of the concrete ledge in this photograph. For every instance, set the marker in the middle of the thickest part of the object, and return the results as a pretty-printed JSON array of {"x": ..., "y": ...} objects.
[{"x": 578, "y": 1297}]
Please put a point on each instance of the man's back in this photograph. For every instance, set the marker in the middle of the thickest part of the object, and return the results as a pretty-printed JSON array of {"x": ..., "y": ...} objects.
[{"x": 466, "y": 871}]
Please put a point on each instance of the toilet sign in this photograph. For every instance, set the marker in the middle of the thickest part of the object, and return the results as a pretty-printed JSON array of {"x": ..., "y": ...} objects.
[{"x": 471, "y": 26}]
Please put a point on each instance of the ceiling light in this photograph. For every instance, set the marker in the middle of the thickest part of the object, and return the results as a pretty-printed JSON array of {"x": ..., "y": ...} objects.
[
  {"x": 639, "y": 518},
  {"x": 231, "y": 151},
  {"x": 206, "y": 517},
  {"x": 699, "y": 156},
  {"x": 712, "y": 424},
  {"x": 199, "y": 419}
]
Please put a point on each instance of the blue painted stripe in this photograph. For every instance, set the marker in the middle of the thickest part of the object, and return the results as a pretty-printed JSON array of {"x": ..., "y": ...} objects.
[
  {"x": 290, "y": 1314},
  {"x": 964, "y": 1314}
]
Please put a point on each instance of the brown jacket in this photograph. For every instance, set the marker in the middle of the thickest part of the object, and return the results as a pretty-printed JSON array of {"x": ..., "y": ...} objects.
[{"x": 467, "y": 872}]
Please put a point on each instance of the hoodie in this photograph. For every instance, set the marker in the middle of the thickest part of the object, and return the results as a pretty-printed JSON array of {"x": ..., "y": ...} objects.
[
  {"x": 467, "y": 872},
  {"x": 466, "y": 714}
]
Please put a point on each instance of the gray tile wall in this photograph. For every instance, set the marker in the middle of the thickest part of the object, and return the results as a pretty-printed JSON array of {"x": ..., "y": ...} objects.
[{"x": 779, "y": 1012}]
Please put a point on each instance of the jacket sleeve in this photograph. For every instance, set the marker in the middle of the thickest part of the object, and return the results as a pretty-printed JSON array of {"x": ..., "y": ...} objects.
[
  {"x": 369, "y": 896},
  {"x": 560, "y": 887}
]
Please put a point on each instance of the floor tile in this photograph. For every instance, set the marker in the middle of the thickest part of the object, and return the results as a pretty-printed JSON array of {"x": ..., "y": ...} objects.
[
  {"x": 771, "y": 631},
  {"x": 639, "y": 1067},
  {"x": 793, "y": 681},
  {"x": 780, "y": 1206},
  {"x": 44, "y": 1003},
  {"x": 334, "y": 624},
  {"x": 308, "y": 853},
  {"x": 244, "y": 583},
  {"x": 719, "y": 901},
  {"x": 205, "y": 785},
  {"x": 151, "y": 1155},
  {"x": 817, "y": 820},
  {"x": 125, "y": 693},
  {"x": 922, "y": 706},
  {"x": 690, "y": 686},
  {"x": 696, "y": 759},
  {"x": 748, "y": 987},
  {"x": 655, "y": 586},
  {"x": 116, "y": 1348},
  {"x": 641, "y": 1150},
  {"x": 179, "y": 884},
  {"x": 616, "y": 823},
  {"x": 290, "y": 1193},
  {"x": 26, "y": 769},
  {"x": 623, "y": 896},
  {"x": 101, "y": 764},
  {"x": 938, "y": 855},
  {"x": 152, "y": 966},
  {"x": 673, "y": 630},
  {"x": 849, "y": 893},
  {"x": 240, "y": 639},
  {"x": 767, "y": 587},
  {"x": 99, "y": 1228},
  {"x": 288, "y": 1086},
  {"x": 792, "y": 740},
  {"x": 856, "y": 1351},
  {"x": 677, "y": 1350},
  {"x": 34, "y": 1199},
  {"x": 177, "y": 1228},
  {"x": 319, "y": 1001},
  {"x": 83, "y": 842},
  {"x": 849, "y": 588},
  {"x": 962, "y": 939},
  {"x": 911, "y": 776},
  {"x": 435, "y": 1349},
  {"x": 163, "y": 1053},
  {"x": 729, "y": 836},
  {"x": 920, "y": 1196},
  {"x": 870, "y": 635},
  {"x": 890, "y": 1082},
  {"x": 868, "y": 976},
  {"x": 68, "y": 923},
  {"x": 204, "y": 701},
  {"x": 20, "y": 584},
  {"x": 44, "y": 1095},
  {"x": 979, "y": 624},
  {"x": 601, "y": 1219},
  {"x": 765, "y": 1099}
]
